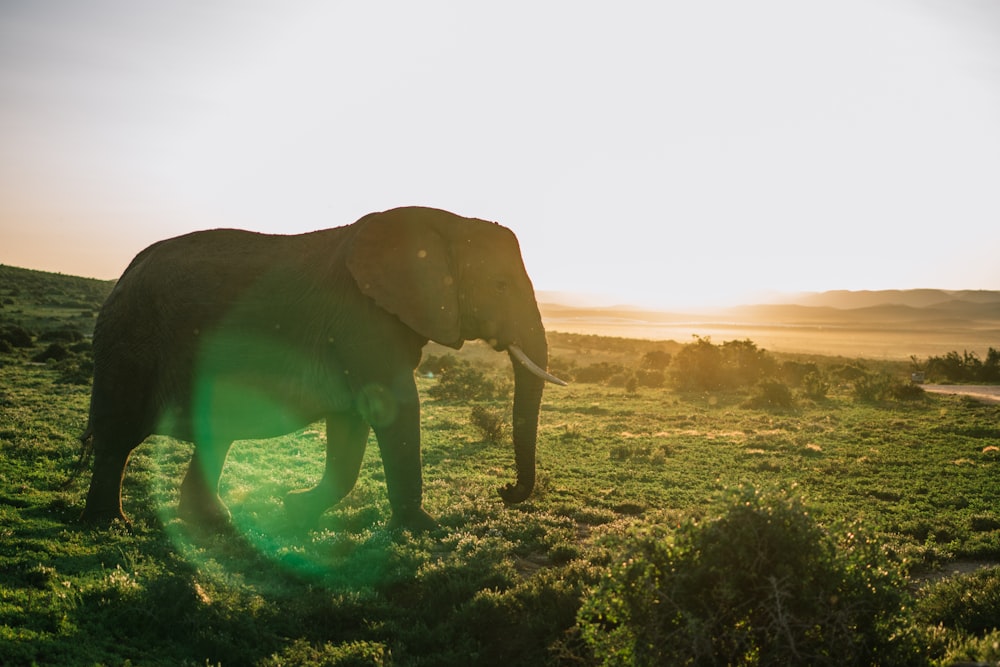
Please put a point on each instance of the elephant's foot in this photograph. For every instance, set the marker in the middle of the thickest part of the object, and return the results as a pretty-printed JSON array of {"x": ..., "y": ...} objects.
[
  {"x": 104, "y": 518},
  {"x": 207, "y": 512},
  {"x": 305, "y": 506},
  {"x": 415, "y": 520}
]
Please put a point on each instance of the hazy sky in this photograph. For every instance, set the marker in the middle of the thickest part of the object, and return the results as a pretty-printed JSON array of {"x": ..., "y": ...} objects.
[{"x": 674, "y": 153}]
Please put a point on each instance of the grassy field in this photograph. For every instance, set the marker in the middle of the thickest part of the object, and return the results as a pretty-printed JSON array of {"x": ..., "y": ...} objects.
[{"x": 495, "y": 584}]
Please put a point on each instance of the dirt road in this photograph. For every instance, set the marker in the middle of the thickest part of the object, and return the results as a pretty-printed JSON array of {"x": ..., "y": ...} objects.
[{"x": 989, "y": 393}]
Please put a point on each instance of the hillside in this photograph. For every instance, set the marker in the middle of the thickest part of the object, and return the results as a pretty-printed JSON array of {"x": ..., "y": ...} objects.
[{"x": 38, "y": 300}]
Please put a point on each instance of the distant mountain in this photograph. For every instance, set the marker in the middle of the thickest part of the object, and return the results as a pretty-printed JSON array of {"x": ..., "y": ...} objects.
[
  {"x": 836, "y": 308},
  {"x": 915, "y": 298}
]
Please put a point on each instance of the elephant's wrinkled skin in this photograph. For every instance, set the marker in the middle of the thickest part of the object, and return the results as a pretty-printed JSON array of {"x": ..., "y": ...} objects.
[{"x": 226, "y": 334}]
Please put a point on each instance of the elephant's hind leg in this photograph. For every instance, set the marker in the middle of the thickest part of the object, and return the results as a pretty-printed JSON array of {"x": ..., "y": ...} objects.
[
  {"x": 346, "y": 436},
  {"x": 200, "y": 502},
  {"x": 104, "y": 499}
]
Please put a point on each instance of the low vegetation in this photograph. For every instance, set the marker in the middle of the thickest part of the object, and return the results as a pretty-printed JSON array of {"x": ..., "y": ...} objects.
[
  {"x": 964, "y": 367},
  {"x": 744, "y": 508}
]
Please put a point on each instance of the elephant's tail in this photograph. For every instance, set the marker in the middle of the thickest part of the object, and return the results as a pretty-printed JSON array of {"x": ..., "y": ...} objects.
[{"x": 83, "y": 461}]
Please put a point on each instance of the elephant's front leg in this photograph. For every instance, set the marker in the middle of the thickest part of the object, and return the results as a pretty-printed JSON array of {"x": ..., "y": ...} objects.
[
  {"x": 399, "y": 443},
  {"x": 200, "y": 502},
  {"x": 346, "y": 437}
]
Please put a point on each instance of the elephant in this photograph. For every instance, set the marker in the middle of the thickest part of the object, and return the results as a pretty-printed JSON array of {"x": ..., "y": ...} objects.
[{"x": 226, "y": 334}]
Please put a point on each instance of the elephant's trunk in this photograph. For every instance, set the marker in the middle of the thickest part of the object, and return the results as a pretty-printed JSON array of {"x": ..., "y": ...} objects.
[{"x": 528, "y": 386}]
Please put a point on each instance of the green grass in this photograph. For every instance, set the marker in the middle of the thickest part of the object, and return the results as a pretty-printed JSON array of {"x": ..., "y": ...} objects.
[{"x": 495, "y": 584}]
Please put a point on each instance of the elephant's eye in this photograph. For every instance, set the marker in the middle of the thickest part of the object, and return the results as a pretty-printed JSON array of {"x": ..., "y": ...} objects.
[{"x": 500, "y": 286}]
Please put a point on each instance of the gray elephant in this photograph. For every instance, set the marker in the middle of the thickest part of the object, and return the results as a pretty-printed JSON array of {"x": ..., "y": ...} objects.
[{"x": 226, "y": 334}]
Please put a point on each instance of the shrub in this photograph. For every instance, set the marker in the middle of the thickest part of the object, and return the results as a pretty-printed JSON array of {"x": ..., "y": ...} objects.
[
  {"x": 796, "y": 372},
  {"x": 737, "y": 363},
  {"x": 969, "y": 602},
  {"x": 76, "y": 369},
  {"x": 871, "y": 388},
  {"x": 906, "y": 391},
  {"x": 698, "y": 365},
  {"x": 465, "y": 382},
  {"x": 848, "y": 372},
  {"x": 815, "y": 386},
  {"x": 599, "y": 372},
  {"x": 771, "y": 394},
  {"x": 16, "y": 336},
  {"x": 965, "y": 367},
  {"x": 762, "y": 584},
  {"x": 55, "y": 351},
  {"x": 562, "y": 367},
  {"x": 61, "y": 335},
  {"x": 489, "y": 422},
  {"x": 656, "y": 360},
  {"x": 881, "y": 387},
  {"x": 435, "y": 365},
  {"x": 648, "y": 378}
]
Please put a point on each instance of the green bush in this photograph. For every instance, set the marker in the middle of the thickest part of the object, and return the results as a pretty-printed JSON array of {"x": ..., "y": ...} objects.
[
  {"x": 349, "y": 654},
  {"x": 656, "y": 360},
  {"x": 16, "y": 336},
  {"x": 65, "y": 334},
  {"x": 434, "y": 364},
  {"x": 763, "y": 584},
  {"x": 489, "y": 422},
  {"x": 871, "y": 388},
  {"x": 702, "y": 366},
  {"x": 600, "y": 372},
  {"x": 55, "y": 351},
  {"x": 875, "y": 387},
  {"x": 969, "y": 602},
  {"x": 795, "y": 372},
  {"x": 463, "y": 381},
  {"x": 771, "y": 394},
  {"x": 815, "y": 386},
  {"x": 649, "y": 378}
]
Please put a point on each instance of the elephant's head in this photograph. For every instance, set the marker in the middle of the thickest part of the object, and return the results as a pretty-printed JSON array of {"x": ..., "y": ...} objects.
[{"x": 453, "y": 279}]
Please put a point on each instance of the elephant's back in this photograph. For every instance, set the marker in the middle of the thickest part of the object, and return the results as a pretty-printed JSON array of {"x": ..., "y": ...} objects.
[{"x": 178, "y": 290}]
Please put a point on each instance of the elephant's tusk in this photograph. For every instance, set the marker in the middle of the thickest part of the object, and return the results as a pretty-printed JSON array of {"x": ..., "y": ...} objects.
[{"x": 533, "y": 367}]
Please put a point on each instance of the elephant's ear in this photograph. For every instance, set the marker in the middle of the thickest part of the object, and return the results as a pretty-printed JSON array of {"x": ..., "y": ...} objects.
[{"x": 399, "y": 260}]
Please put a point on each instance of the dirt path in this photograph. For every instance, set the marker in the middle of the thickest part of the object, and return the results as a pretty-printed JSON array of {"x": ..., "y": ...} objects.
[{"x": 988, "y": 393}]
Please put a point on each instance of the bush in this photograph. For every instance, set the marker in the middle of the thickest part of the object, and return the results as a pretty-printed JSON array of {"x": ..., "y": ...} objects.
[
  {"x": 871, "y": 388},
  {"x": 435, "y": 365},
  {"x": 16, "y": 336},
  {"x": 796, "y": 372},
  {"x": 762, "y": 584},
  {"x": 906, "y": 391},
  {"x": 647, "y": 378},
  {"x": 467, "y": 383},
  {"x": 61, "y": 335},
  {"x": 698, "y": 366},
  {"x": 969, "y": 602},
  {"x": 703, "y": 366},
  {"x": 771, "y": 394},
  {"x": 965, "y": 367},
  {"x": 656, "y": 360},
  {"x": 55, "y": 351},
  {"x": 489, "y": 422},
  {"x": 815, "y": 386},
  {"x": 881, "y": 387},
  {"x": 599, "y": 372},
  {"x": 562, "y": 367}
]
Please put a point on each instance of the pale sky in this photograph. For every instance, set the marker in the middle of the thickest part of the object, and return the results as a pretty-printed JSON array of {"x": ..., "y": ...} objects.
[{"x": 656, "y": 153}]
